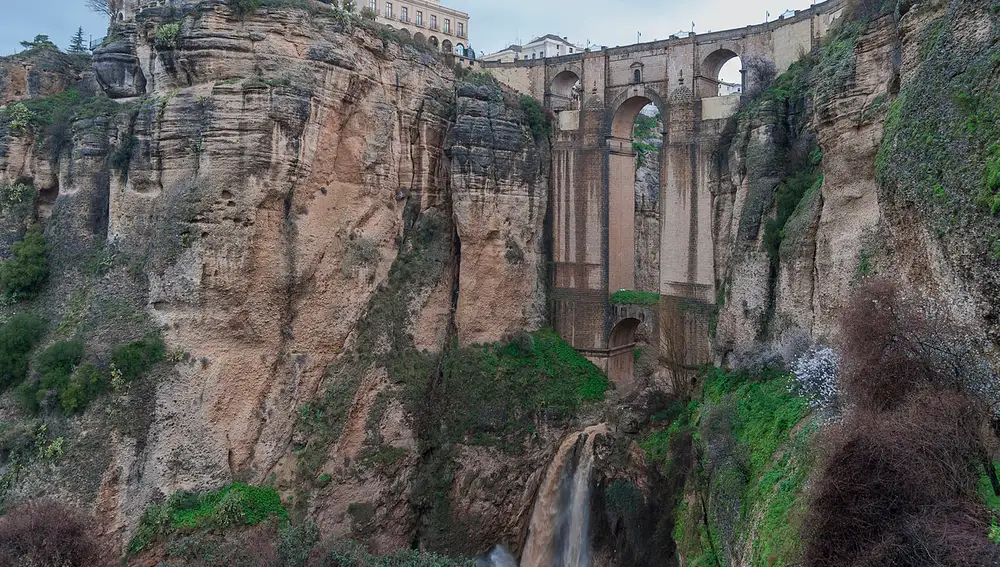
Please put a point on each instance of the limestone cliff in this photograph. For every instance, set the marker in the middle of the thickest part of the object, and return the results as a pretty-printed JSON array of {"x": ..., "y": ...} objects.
[
  {"x": 879, "y": 206},
  {"x": 294, "y": 197}
]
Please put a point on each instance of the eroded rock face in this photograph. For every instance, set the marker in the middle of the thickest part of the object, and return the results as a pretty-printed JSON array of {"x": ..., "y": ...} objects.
[
  {"x": 39, "y": 72},
  {"x": 854, "y": 226},
  {"x": 260, "y": 189},
  {"x": 117, "y": 67},
  {"x": 499, "y": 188}
]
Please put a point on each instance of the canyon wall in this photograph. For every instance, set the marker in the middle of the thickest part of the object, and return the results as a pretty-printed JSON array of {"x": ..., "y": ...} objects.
[
  {"x": 303, "y": 202},
  {"x": 874, "y": 210}
]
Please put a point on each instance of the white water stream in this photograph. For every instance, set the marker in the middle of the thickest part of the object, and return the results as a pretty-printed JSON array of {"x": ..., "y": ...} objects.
[{"x": 559, "y": 534}]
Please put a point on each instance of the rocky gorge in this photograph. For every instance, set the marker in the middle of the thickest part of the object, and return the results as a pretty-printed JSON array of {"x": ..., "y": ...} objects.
[{"x": 308, "y": 261}]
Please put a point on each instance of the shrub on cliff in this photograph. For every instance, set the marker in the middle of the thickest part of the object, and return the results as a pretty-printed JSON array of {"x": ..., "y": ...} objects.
[
  {"x": 136, "y": 358},
  {"x": 231, "y": 506},
  {"x": 45, "y": 532},
  {"x": 60, "y": 383},
  {"x": 23, "y": 276},
  {"x": 244, "y": 7},
  {"x": 18, "y": 338}
]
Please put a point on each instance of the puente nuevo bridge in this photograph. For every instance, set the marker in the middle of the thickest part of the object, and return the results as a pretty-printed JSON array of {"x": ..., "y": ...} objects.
[{"x": 596, "y": 97}]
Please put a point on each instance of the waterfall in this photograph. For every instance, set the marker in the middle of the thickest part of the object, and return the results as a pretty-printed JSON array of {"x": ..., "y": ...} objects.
[{"x": 559, "y": 532}]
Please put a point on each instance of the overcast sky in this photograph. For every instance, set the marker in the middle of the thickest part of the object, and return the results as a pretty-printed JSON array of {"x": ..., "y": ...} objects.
[{"x": 493, "y": 23}]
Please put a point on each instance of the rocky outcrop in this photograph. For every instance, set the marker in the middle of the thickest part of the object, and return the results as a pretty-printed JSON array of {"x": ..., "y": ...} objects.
[
  {"x": 499, "y": 188},
  {"x": 295, "y": 198},
  {"x": 859, "y": 221},
  {"x": 39, "y": 72}
]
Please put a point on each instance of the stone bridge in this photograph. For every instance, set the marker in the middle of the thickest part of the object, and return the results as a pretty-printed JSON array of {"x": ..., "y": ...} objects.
[{"x": 597, "y": 97}]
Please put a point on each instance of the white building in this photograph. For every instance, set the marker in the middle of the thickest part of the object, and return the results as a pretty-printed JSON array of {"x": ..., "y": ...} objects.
[{"x": 539, "y": 48}]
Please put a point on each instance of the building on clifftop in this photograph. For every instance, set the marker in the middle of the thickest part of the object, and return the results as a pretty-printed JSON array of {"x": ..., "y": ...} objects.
[{"x": 426, "y": 20}]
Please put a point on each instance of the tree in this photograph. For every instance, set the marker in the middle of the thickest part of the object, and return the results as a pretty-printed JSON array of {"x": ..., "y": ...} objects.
[
  {"x": 109, "y": 8},
  {"x": 76, "y": 45},
  {"x": 39, "y": 41}
]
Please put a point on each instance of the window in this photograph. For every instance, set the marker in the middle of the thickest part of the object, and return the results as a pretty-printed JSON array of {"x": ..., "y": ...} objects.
[
  {"x": 571, "y": 50},
  {"x": 447, "y": 25},
  {"x": 373, "y": 6},
  {"x": 420, "y": 18},
  {"x": 533, "y": 55},
  {"x": 434, "y": 22},
  {"x": 388, "y": 10},
  {"x": 637, "y": 76},
  {"x": 402, "y": 14},
  {"x": 461, "y": 29}
]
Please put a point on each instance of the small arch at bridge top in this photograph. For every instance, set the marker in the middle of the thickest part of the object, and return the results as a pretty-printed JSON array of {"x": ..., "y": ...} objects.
[
  {"x": 434, "y": 41},
  {"x": 447, "y": 46},
  {"x": 564, "y": 91},
  {"x": 419, "y": 37},
  {"x": 621, "y": 359},
  {"x": 721, "y": 74}
]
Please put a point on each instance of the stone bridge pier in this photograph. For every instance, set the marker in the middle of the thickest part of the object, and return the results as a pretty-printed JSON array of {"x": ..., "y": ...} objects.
[{"x": 596, "y": 97}]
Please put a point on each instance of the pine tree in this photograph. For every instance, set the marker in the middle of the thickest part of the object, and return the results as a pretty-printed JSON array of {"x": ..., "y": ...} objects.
[{"x": 77, "y": 45}]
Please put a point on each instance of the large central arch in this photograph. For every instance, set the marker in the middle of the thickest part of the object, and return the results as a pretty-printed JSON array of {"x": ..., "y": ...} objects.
[{"x": 621, "y": 186}]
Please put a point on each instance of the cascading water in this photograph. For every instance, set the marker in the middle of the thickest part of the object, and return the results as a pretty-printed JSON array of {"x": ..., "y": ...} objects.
[{"x": 559, "y": 532}]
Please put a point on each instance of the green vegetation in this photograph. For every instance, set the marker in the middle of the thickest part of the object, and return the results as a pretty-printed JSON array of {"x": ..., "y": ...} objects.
[
  {"x": 941, "y": 144},
  {"x": 167, "y": 36},
  {"x": 495, "y": 393},
  {"x": 244, "y": 8},
  {"x": 23, "y": 276},
  {"x": 351, "y": 554},
  {"x": 787, "y": 196},
  {"x": 646, "y": 128},
  {"x": 15, "y": 194},
  {"x": 753, "y": 477},
  {"x": 184, "y": 512},
  {"x": 18, "y": 337},
  {"x": 992, "y": 501},
  {"x": 55, "y": 365},
  {"x": 137, "y": 357},
  {"x": 537, "y": 118},
  {"x": 633, "y": 297}
]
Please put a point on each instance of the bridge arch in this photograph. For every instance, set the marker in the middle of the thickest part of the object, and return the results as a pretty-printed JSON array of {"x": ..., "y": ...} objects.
[
  {"x": 621, "y": 360},
  {"x": 711, "y": 84},
  {"x": 561, "y": 89},
  {"x": 621, "y": 184}
]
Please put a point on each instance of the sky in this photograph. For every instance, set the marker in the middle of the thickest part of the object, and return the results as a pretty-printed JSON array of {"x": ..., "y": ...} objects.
[{"x": 493, "y": 24}]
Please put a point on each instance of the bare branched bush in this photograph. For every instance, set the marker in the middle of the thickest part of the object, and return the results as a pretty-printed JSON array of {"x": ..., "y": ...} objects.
[
  {"x": 759, "y": 75},
  {"x": 893, "y": 344},
  {"x": 109, "y": 8},
  {"x": 45, "y": 532},
  {"x": 895, "y": 481}
]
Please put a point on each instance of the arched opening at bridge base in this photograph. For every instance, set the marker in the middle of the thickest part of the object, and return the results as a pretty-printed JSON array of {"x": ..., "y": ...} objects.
[
  {"x": 634, "y": 153},
  {"x": 621, "y": 359}
]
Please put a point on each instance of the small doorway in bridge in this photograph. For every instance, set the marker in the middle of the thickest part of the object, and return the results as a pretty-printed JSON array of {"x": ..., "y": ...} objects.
[
  {"x": 621, "y": 354},
  {"x": 634, "y": 196}
]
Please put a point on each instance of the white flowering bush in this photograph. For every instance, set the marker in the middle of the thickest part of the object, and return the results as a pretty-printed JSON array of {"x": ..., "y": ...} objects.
[{"x": 816, "y": 377}]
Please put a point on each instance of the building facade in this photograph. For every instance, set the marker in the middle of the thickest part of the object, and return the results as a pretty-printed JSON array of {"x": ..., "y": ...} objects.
[
  {"x": 426, "y": 20},
  {"x": 539, "y": 48}
]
